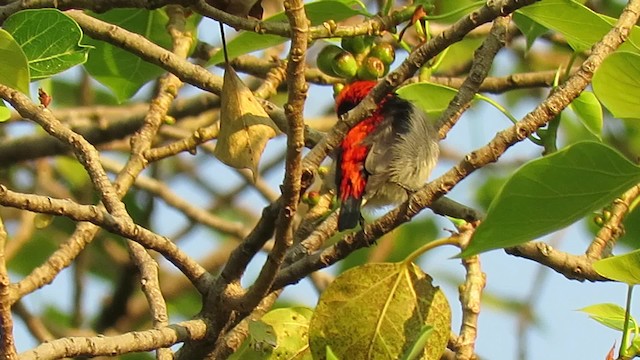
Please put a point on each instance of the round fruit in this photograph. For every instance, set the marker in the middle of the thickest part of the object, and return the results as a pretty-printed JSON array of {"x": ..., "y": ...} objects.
[
  {"x": 372, "y": 68},
  {"x": 345, "y": 65},
  {"x": 384, "y": 52},
  {"x": 326, "y": 58},
  {"x": 357, "y": 44}
]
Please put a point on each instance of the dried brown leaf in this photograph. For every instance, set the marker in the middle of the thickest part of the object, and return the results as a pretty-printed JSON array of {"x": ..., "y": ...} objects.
[
  {"x": 611, "y": 353},
  {"x": 245, "y": 128}
]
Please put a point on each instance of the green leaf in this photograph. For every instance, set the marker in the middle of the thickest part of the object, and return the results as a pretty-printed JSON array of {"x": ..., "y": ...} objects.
[
  {"x": 457, "y": 55},
  {"x": 280, "y": 334},
  {"x": 589, "y": 111},
  {"x": 72, "y": 172},
  {"x": 50, "y": 40},
  {"x": 531, "y": 29},
  {"x": 624, "y": 268},
  {"x": 379, "y": 311},
  {"x": 68, "y": 94},
  {"x": 439, "y": 96},
  {"x": 550, "y": 193},
  {"x": 5, "y": 113},
  {"x": 609, "y": 315},
  {"x": 14, "y": 71},
  {"x": 36, "y": 251},
  {"x": 617, "y": 84},
  {"x": 434, "y": 98},
  {"x": 569, "y": 18},
  {"x": 119, "y": 70},
  {"x": 631, "y": 229},
  {"x": 317, "y": 12}
]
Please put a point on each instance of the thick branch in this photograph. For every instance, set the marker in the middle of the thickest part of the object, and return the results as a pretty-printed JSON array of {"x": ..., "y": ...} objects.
[
  {"x": 7, "y": 342},
  {"x": 136, "y": 341},
  {"x": 573, "y": 267}
]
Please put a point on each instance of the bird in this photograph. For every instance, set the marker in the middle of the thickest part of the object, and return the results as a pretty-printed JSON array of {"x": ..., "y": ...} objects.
[{"x": 384, "y": 157}]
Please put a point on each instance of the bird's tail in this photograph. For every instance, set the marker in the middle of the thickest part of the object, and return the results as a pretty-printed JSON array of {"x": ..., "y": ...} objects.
[{"x": 349, "y": 213}]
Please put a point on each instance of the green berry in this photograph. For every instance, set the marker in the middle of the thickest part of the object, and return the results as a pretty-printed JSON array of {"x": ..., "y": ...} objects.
[
  {"x": 345, "y": 65},
  {"x": 357, "y": 44},
  {"x": 326, "y": 58},
  {"x": 372, "y": 68},
  {"x": 385, "y": 52}
]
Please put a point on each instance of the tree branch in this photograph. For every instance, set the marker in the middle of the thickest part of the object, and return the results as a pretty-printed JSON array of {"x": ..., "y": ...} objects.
[
  {"x": 120, "y": 226},
  {"x": 291, "y": 187},
  {"x": 470, "y": 295},
  {"x": 612, "y": 228},
  {"x": 84, "y": 151},
  {"x": 135, "y": 341},
  {"x": 7, "y": 342}
]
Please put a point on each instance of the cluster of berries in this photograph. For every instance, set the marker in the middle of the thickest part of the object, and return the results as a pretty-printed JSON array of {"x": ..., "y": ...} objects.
[{"x": 358, "y": 58}]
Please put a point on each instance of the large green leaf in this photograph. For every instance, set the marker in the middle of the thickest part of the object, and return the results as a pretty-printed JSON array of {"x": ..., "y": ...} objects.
[
  {"x": 14, "y": 71},
  {"x": 624, "y": 268},
  {"x": 317, "y": 12},
  {"x": 569, "y": 18},
  {"x": 50, "y": 40},
  {"x": 550, "y": 193},
  {"x": 435, "y": 98},
  {"x": 378, "y": 311},
  {"x": 617, "y": 84},
  {"x": 118, "y": 69}
]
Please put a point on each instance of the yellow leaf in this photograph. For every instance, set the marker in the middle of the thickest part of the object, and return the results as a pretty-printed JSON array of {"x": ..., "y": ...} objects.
[
  {"x": 379, "y": 311},
  {"x": 245, "y": 127}
]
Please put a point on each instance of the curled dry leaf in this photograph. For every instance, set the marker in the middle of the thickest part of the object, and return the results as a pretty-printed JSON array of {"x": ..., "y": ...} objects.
[
  {"x": 242, "y": 8},
  {"x": 245, "y": 127}
]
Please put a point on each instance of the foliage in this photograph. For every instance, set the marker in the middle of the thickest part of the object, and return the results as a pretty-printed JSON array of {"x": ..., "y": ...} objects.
[{"x": 90, "y": 170}]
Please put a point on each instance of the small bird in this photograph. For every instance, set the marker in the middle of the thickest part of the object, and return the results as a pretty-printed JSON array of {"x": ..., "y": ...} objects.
[{"x": 384, "y": 157}]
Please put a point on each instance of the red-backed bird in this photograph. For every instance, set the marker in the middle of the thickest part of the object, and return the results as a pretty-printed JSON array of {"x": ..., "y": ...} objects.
[{"x": 383, "y": 157}]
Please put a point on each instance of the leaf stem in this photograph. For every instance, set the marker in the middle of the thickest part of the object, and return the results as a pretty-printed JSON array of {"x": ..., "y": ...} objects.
[
  {"x": 625, "y": 330},
  {"x": 451, "y": 240}
]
